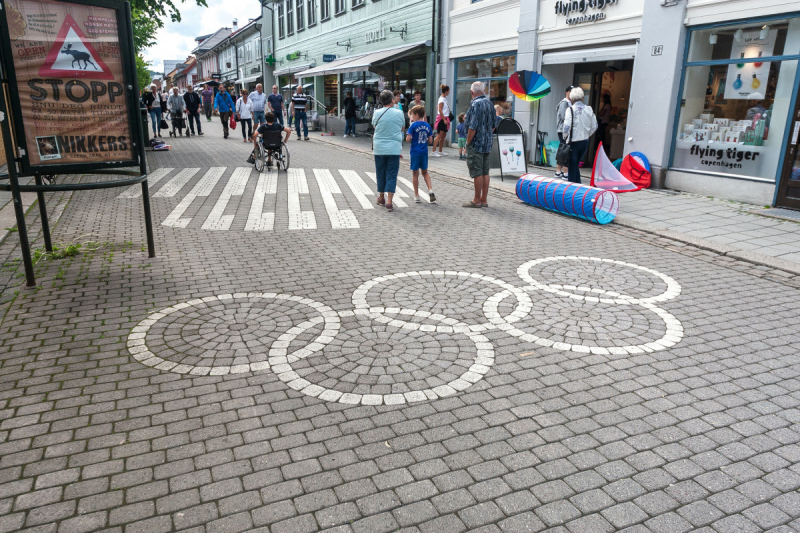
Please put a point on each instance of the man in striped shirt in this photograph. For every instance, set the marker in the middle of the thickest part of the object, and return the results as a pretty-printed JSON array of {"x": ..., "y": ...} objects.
[{"x": 298, "y": 107}]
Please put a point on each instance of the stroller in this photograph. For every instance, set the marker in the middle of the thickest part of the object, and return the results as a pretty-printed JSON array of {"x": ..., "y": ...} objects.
[{"x": 178, "y": 125}]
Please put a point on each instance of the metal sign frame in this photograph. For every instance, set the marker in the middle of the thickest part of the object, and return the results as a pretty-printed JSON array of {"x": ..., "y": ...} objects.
[
  {"x": 14, "y": 139},
  {"x": 130, "y": 84}
]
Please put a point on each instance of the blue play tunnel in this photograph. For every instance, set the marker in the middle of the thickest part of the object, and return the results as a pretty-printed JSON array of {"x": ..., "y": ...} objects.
[{"x": 582, "y": 201}]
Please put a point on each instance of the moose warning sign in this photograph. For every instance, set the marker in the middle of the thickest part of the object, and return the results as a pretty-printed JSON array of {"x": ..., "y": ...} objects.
[{"x": 69, "y": 76}]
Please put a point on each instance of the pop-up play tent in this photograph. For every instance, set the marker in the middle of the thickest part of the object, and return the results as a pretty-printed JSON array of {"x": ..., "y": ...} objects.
[{"x": 633, "y": 175}]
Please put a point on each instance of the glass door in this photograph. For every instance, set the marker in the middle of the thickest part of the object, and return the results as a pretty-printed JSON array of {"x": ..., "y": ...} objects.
[{"x": 789, "y": 187}]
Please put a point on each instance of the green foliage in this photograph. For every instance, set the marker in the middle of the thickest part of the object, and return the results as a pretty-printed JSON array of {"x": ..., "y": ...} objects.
[
  {"x": 144, "y": 30},
  {"x": 142, "y": 72}
]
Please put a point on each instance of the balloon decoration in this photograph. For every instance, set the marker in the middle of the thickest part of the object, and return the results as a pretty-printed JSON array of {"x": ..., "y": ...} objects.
[{"x": 528, "y": 85}]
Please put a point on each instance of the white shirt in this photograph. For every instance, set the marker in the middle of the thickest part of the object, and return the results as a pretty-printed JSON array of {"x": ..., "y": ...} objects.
[
  {"x": 245, "y": 110},
  {"x": 445, "y": 107}
]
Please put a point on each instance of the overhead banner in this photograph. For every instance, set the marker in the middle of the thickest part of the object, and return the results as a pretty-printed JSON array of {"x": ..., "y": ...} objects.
[{"x": 69, "y": 76}]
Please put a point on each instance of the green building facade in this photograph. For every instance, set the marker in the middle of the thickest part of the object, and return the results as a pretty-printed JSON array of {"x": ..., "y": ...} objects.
[{"x": 361, "y": 46}]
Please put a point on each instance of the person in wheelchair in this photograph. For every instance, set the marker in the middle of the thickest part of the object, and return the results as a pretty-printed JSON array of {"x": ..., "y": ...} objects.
[{"x": 270, "y": 126}]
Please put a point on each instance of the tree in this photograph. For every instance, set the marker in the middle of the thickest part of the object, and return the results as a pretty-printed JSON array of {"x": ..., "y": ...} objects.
[
  {"x": 144, "y": 30},
  {"x": 142, "y": 72}
]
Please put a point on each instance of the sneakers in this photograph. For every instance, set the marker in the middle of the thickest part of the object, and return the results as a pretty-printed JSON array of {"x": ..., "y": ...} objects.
[
  {"x": 435, "y": 154},
  {"x": 442, "y": 154},
  {"x": 561, "y": 175},
  {"x": 250, "y": 159},
  {"x": 200, "y": 133},
  {"x": 345, "y": 135},
  {"x": 433, "y": 197},
  {"x": 417, "y": 200},
  {"x": 226, "y": 135}
]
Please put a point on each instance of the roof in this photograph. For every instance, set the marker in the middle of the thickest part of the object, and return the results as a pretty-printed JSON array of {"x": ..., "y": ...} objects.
[
  {"x": 238, "y": 32},
  {"x": 212, "y": 40}
]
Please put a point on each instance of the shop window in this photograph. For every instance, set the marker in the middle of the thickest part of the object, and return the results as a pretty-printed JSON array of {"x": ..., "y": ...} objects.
[
  {"x": 281, "y": 17},
  {"x": 312, "y": 12},
  {"x": 493, "y": 72},
  {"x": 300, "y": 16},
  {"x": 339, "y": 6},
  {"x": 289, "y": 17},
  {"x": 734, "y": 107}
]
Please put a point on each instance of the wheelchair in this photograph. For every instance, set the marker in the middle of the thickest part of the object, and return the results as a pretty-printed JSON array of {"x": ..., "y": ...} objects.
[{"x": 272, "y": 147}]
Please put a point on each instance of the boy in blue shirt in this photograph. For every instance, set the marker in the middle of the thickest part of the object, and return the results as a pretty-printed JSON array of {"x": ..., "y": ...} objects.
[
  {"x": 420, "y": 134},
  {"x": 461, "y": 129}
]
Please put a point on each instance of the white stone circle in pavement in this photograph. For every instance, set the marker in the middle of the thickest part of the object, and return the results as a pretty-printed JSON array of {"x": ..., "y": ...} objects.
[{"x": 279, "y": 358}]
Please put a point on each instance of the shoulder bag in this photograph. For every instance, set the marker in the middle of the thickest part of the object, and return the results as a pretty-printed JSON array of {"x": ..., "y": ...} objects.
[{"x": 564, "y": 149}]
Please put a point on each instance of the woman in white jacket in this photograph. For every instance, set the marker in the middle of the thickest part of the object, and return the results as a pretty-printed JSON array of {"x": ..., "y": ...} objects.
[
  {"x": 580, "y": 123},
  {"x": 244, "y": 110}
]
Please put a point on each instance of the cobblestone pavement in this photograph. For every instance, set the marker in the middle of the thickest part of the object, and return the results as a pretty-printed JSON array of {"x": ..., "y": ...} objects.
[{"x": 435, "y": 369}]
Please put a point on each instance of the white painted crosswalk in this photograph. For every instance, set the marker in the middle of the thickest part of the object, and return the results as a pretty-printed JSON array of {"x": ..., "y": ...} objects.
[{"x": 295, "y": 200}]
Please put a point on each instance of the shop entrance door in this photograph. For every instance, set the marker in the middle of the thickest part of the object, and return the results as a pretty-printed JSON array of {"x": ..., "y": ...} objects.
[{"x": 789, "y": 187}]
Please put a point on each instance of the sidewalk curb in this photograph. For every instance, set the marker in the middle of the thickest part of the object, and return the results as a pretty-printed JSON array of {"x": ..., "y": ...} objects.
[{"x": 697, "y": 242}]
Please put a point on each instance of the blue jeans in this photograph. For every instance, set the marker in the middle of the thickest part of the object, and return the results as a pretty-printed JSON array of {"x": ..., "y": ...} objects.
[
  {"x": 575, "y": 157},
  {"x": 301, "y": 116},
  {"x": 196, "y": 117},
  {"x": 278, "y": 116},
  {"x": 290, "y": 118},
  {"x": 258, "y": 117},
  {"x": 386, "y": 168},
  {"x": 155, "y": 117},
  {"x": 350, "y": 126}
]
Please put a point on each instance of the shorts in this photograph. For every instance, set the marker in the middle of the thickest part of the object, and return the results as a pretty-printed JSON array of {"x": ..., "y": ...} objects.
[
  {"x": 441, "y": 125},
  {"x": 462, "y": 142},
  {"x": 477, "y": 163},
  {"x": 419, "y": 161},
  {"x": 258, "y": 117}
]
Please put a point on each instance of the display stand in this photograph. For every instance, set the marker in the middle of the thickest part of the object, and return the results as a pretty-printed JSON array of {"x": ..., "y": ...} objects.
[
  {"x": 511, "y": 148},
  {"x": 26, "y": 158}
]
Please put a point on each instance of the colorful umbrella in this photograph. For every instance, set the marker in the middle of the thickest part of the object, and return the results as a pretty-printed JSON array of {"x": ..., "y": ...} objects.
[{"x": 528, "y": 85}]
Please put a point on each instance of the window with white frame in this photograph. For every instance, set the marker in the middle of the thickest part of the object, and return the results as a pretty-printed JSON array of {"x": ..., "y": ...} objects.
[
  {"x": 257, "y": 48},
  {"x": 340, "y": 6},
  {"x": 281, "y": 35},
  {"x": 248, "y": 52},
  {"x": 300, "y": 15},
  {"x": 312, "y": 12},
  {"x": 289, "y": 17},
  {"x": 324, "y": 9},
  {"x": 357, "y": 3}
]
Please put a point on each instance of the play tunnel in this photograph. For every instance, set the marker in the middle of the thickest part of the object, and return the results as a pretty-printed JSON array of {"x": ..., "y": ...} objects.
[{"x": 582, "y": 201}]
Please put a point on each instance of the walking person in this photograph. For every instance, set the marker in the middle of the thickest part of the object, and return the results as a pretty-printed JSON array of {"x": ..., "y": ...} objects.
[
  {"x": 259, "y": 101},
  {"x": 442, "y": 122},
  {"x": 349, "y": 106},
  {"x": 603, "y": 118},
  {"x": 461, "y": 129},
  {"x": 208, "y": 102},
  {"x": 176, "y": 107},
  {"x": 561, "y": 112},
  {"x": 579, "y": 124},
  {"x": 153, "y": 102},
  {"x": 298, "y": 109},
  {"x": 275, "y": 102},
  {"x": 387, "y": 144},
  {"x": 193, "y": 103},
  {"x": 420, "y": 134},
  {"x": 224, "y": 104},
  {"x": 417, "y": 100},
  {"x": 244, "y": 112},
  {"x": 480, "y": 123}
]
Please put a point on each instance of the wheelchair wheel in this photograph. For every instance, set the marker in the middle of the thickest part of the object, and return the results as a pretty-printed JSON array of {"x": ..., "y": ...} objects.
[
  {"x": 260, "y": 158},
  {"x": 283, "y": 158}
]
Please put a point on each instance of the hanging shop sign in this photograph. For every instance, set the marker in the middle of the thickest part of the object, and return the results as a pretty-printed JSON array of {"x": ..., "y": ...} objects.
[
  {"x": 746, "y": 79},
  {"x": 377, "y": 34},
  {"x": 328, "y": 58},
  {"x": 581, "y": 11},
  {"x": 216, "y": 76},
  {"x": 69, "y": 68},
  {"x": 293, "y": 56}
]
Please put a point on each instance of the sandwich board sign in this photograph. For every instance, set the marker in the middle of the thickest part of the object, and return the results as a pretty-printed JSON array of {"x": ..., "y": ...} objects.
[{"x": 71, "y": 67}]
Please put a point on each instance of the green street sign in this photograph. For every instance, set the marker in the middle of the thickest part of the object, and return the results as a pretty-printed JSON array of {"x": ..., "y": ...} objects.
[{"x": 293, "y": 56}]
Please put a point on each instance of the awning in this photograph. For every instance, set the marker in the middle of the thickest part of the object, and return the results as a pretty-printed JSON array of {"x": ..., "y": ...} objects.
[
  {"x": 292, "y": 69},
  {"x": 247, "y": 80},
  {"x": 608, "y": 53},
  {"x": 294, "y": 86},
  {"x": 361, "y": 62}
]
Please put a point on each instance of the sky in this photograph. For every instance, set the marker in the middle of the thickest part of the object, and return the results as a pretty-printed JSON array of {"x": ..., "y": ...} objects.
[{"x": 176, "y": 40}]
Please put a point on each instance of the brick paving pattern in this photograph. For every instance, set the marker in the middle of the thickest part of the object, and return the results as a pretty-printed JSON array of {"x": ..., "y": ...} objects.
[{"x": 596, "y": 418}]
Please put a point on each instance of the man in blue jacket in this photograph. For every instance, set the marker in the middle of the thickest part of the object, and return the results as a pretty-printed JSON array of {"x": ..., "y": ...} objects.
[{"x": 224, "y": 104}]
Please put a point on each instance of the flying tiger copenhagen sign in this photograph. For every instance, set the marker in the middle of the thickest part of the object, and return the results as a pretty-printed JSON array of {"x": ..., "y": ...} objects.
[{"x": 69, "y": 76}]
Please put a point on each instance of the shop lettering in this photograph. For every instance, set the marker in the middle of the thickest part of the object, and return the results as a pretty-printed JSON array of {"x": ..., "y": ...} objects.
[
  {"x": 568, "y": 7},
  {"x": 375, "y": 35},
  {"x": 92, "y": 143},
  {"x": 713, "y": 156},
  {"x": 75, "y": 90}
]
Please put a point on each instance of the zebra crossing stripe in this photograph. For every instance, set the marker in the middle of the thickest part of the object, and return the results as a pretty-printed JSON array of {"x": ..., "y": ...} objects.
[
  {"x": 399, "y": 193},
  {"x": 135, "y": 191},
  {"x": 359, "y": 189},
  {"x": 203, "y": 188},
  {"x": 298, "y": 219},
  {"x": 257, "y": 220},
  {"x": 410, "y": 185},
  {"x": 176, "y": 183},
  {"x": 235, "y": 187},
  {"x": 327, "y": 188}
]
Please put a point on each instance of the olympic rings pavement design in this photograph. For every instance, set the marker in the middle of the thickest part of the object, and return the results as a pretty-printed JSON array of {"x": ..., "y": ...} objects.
[{"x": 279, "y": 356}]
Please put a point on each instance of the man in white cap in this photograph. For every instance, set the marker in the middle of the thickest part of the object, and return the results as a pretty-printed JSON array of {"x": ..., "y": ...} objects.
[{"x": 193, "y": 104}]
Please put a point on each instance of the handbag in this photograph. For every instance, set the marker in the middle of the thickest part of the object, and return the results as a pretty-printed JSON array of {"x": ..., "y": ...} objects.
[
  {"x": 565, "y": 149},
  {"x": 232, "y": 123},
  {"x": 163, "y": 125},
  {"x": 451, "y": 117}
]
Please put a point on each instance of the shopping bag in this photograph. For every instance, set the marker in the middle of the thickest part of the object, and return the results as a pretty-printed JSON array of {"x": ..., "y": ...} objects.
[
  {"x": 232, "y": 123},
  {"x": 164, "y": 125}
]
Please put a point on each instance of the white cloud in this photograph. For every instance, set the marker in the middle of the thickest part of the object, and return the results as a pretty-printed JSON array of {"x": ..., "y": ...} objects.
[{"x": 176, "y": 40}]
